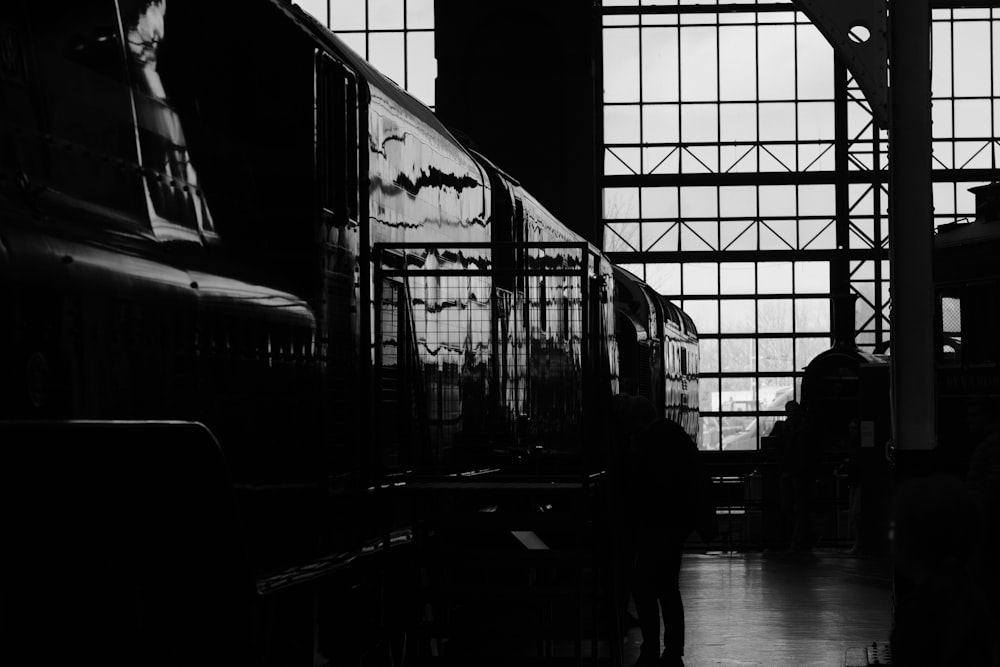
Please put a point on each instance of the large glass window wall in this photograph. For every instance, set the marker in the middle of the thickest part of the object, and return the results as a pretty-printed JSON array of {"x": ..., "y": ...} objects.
[
  {"x": 396, "y": 36},
  {"x": 731, "y": 188}
]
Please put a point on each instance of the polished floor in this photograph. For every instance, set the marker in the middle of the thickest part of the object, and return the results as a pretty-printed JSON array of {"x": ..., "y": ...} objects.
[{"x": 779, "y": 610}]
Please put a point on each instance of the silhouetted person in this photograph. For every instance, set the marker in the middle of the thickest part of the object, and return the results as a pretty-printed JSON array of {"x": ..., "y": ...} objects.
[
  {"x": 792, "y": 418},
  {"x": 796, "y": 434},
  {"x": 852, "y": 468},
  {"x": 941, "y": 615},
  {"x": 667, "y": 498}
]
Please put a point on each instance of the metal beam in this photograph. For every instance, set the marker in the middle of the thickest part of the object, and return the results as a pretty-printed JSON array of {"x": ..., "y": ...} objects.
[
  {"x": 977, "y": 176},
  {"x": 857, "y": 31},
  {"x": 911, "y": 229},
  {"x": 696, "y": 256}
]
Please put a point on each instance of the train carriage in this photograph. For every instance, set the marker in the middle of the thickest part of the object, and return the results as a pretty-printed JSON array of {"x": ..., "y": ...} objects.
[{"x": 233, "y": 250}]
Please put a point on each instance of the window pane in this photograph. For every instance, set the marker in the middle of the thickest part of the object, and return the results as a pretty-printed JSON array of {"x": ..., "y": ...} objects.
[
  {"x": 621, "y": 124},
  {"x": 661, "y": 123},
  {"x": 996, "y": 65},
  {"x": 621, "y": 65},
  {"x": 777, "y": 200},
  {"x": 738, "y": 278},
  {"x": 738, "y": 201},
  {"x": 709, "y": 359},
  {"x": 738, "y": 316},
  {"x": 661, "y": 236},
  {"x": 659, "y": 202},
  {"x": 816, "y": 121},
  {"x": 700, "y": 235},
  {"x": 817, "y": 200},
  {"x": 699, "y": 202},
  {"x": 941, "y": 126},
  {"x": 776, "y": 62},
  {"x": 700, "y": 160},
  {"x": 659, "y": 65},
  {"x": 738, "y": 122},
  {"x": 664, "y": 278},
  {"x": 709, "y": 394},
  {"x": 815, "y": 64},
  {"x": 775, "y": 355},
  {"x": 812, "y": 277},
  {"x": 621, "y": 203},
  {"x": 774, "y": 278},
  {"x": 737, "y": 355},
  {"x": 421, "y": 66},
  {"x": 737, "y": 395},
  {"x": 661, "y": 160},
  {"x": 385, "y": 14},
  {"x": 775, "y": 392},
  {"x": 358, "y": 41},
  {"x": 705, "y": 314},
  {"x": 812, "y": 315},
  {"x": 972, "y": 119},
  {"x": 806, "y": 350},
  {"x": 737, "y": 73},
  {"x": 698, "y": 64},
  {"x": 619, "y": 161},
  {"x": 621, "y": 237},
  {"x": 739, "y": 433},
  {"x": 777, "y": 122},
  {"x": 941, "y": 54},
  {"x": 385, "y": 52},
  {"x": 347, "y": 15},
  {"x": 972, "y": 42},
  {"x": 701, "y": 279},
  {"x": 710, "y": 437},
  {"x": 775, "y": 315},
  {"x": 699, "y": 123},
  {"x": 419, "y": 13},
  {"x": 739, "y": 234}
]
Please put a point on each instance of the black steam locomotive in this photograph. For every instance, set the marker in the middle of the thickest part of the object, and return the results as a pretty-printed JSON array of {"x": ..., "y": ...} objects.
[
  {"x": 967, "y": 354},
  {"x": 247, "y": 284}
]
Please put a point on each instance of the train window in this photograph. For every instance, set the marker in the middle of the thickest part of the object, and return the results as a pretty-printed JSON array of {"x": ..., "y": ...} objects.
[
  {"x": 951, "y": 327},
  {"x": 544, "y": 301},
  {"x": 79, "y": 75},
  {"x": 177, "y": 208},
  {"x": 336, "y": 141},
  {"x": 565, "y": 311}
]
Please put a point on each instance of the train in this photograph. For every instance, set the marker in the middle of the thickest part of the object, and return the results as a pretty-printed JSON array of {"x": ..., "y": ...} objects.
[
  {"x": 248, "y": 285},
  {"x": 966, "y": 311}
]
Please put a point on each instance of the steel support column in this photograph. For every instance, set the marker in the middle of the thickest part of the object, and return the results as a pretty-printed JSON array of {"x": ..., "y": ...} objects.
[{"x": 911, "y": 226}]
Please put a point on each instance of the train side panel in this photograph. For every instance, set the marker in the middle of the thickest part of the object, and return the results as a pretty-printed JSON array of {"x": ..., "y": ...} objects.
[{"x": 166, "y": 256}]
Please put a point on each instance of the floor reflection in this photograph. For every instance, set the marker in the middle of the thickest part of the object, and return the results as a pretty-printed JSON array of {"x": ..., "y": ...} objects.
[{"x": 778, "y": 610}]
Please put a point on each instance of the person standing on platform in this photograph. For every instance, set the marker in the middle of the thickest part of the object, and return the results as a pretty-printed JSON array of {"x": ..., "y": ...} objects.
[
  {"x": 797, "y": 468},
  {"x": 852, "y": 468},
  {"x": 667, "y": 498}
]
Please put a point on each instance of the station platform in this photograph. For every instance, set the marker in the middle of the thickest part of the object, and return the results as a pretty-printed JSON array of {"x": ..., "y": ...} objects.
[{"x": 777, "y": 610}]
